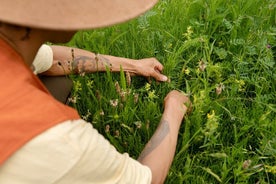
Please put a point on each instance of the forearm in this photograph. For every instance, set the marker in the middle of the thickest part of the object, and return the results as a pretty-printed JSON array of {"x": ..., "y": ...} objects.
[
  {"x": 159, "y": 151},
  {"x": 69, "y": 60}
]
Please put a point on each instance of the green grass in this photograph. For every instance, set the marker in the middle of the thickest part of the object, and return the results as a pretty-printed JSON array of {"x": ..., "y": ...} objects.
[{"x": 229, "y": 137}]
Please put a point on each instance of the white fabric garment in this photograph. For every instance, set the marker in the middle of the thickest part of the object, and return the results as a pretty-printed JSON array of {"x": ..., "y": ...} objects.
[
  {"x": 72, "y": 152},
  {"x": 43, "y": 59}
]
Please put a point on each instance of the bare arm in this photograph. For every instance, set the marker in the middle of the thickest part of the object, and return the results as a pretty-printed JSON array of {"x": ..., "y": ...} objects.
[
  {"x": 69, "y": 60},
  {"x": 159, "y": 151}
]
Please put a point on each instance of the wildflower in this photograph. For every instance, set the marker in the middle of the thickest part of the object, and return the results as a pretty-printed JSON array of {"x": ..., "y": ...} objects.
[
  {"x": 232, "y": 118},
  {"x": 117, "y": 87},
  {"x": 220, "y": 87},
  {"x": 128, "y": 91},
  {"x": 202, "y": 65},
  {"x": 114, "y": 103},
  {"x": 189, "y": 30},
  {"x": 202, "y": 95},
  {"x": 73, "y": 99},
  {"x": 123, "y": 95},
  {"x": 188, "y": 33},
  {"x": 212, "y": 123},
  {"x": 117, "y": 133},
  {"x": 211, "y": 116},
  {"x": 125, "y": 144},
  {"x": 121, "y": 105},
  {"x": 147, "y": 124},
  {"x": 101, "y": 113},
  {"x": 107, "y": 128},
  {"x": 147, "y": 87},
  {"x": 220, "y": 43},
  {"x": 90, "y": 83},
  {"x": 77, "y": 86},
  {"x": 270, "y": 169},
  {"x": 246, "y": 164},
  {"x": 116, "y": 116},
  {"x": 187, "y": 71},
  {"x": 127, "y": 127},
  {"x": 136, "y": 97},
  {"x": 128, "y": 78},
  {"x": 138, "y": 124},
  {"x": 152, "y": 95},
  {"x": 98, "y": 94},
  {"x": 85, "y": 117},
  {"x": 241, "y": 84},
  {"x": 268, "y": 46}
]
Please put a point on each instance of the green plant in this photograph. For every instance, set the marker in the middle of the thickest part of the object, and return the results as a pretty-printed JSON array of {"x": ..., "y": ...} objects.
[{"x": 223, "y": 55}]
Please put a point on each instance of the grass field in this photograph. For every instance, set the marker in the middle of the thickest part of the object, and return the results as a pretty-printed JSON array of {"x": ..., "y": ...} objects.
[{"x": 220, "y": 52}]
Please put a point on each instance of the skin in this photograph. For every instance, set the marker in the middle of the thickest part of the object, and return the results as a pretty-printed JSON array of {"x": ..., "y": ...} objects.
[
  {"x": 68, "y": 60},
  {"x": 159, "y": 151}
]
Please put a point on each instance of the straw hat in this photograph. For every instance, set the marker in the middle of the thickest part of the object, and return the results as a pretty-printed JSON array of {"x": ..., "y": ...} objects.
[{"x": 71, "y": 14}]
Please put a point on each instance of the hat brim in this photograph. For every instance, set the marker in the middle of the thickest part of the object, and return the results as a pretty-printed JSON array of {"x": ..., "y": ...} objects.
[{"x": 71, "y": 15}]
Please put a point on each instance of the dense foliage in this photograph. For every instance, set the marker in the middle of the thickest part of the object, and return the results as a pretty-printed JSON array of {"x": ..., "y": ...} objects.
[{"x": 223, "y": 56}]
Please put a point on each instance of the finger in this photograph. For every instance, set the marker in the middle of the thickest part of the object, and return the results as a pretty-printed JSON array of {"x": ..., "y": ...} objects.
[
  {"x": 160, "y": 77},
  {"x": 159, "y": 67}
]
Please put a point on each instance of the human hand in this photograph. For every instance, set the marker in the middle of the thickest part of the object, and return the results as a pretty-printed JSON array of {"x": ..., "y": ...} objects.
[
  {"x": 150, "y": 67},
  {"x": 177, "y": 103}
]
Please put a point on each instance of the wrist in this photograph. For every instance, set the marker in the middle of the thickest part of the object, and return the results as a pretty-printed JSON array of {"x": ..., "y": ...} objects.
[
  {"x": 174, "y": 116},
  {"x": 116, "y": 63}
]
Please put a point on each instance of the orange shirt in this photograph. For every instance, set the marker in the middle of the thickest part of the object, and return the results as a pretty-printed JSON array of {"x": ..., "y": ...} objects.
[{"x": 26, "y": 107}]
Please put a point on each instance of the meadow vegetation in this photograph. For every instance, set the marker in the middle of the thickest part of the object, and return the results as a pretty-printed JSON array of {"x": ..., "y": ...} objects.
[{"x": 222, "y": 54}]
